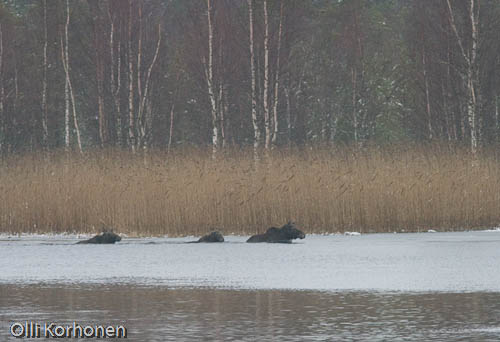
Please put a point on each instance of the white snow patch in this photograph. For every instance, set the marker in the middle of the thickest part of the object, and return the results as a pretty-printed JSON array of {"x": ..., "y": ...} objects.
[
  {"x": 352, "y": 233},
  {"x": 431, "y": 231},
  {"x": 497, "y": 229}
]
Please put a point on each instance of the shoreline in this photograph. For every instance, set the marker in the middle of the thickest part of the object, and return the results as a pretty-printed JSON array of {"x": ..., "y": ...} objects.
[{"x": 80, "y": 236}]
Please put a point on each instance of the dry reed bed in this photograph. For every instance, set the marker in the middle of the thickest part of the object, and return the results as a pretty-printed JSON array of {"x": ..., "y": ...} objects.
[{"x": 187, "y": 192}]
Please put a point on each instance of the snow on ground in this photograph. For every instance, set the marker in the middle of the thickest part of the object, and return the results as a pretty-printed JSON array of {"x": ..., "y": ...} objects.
[
  {"x": 352, "y": 233},
  {"x": 497, "y": 229}
]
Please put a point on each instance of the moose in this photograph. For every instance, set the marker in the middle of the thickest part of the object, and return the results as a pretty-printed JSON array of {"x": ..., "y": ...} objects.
[{"x": 285, "y": 234}]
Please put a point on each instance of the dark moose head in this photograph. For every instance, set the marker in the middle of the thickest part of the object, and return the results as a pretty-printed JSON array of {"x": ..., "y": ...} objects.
[{"x": 291, "y": 231}]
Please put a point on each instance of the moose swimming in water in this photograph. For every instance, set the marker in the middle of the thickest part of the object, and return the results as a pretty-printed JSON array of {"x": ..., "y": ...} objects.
[
  {"x": 285, "y": 234},
  {"x": 107, "y": 237},
  {"x": 212, "y": 237}
]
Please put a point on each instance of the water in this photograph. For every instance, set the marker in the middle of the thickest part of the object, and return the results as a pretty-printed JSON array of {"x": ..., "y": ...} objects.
[{"x": 382, "y": 287}]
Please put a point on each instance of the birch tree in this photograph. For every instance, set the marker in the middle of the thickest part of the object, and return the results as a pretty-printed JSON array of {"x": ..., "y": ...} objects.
[
  {"x": 265, "y": 96},
  {"x": 131, "y": 119},
  {"x": 277, "y": 77},
  {"x": 255, "y": 123},
  {"x": 45, "y": 130},
  {"x": 138, "y": 132},
  {"x": 145, "y": 119},
  {"x": 68, "y": 89},
  {"x": 210, "y": 80},
  {"x": 470, "y": 74},
  {"x": 65, "y": 57},
  {"x": 357, "y": 72}
]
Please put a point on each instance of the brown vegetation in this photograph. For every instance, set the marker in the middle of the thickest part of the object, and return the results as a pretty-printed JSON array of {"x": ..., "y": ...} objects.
[{"x": 187, "y": 192}]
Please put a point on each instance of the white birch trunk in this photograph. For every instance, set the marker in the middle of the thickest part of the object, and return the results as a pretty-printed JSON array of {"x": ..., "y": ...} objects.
[
  {"x": 267, "y": 118},
  {"x": 73, "y": 106},
  {"x": 362, "y": 112},
  {"x": 131, "y": 126},
  {"x": 277, "y": 78},
  {"x": 140, "y": 110},
  {"x": 172, "y": 109},
  {"x": 470, "y": 76},
  {"x": 472, "y": 72},
  {"x": 75, "y": 119},
  {"x": 66, "y": 83},
  {"x": 65, "y": 61},
  {"x": 427, "y": 97},
  {"x": 144, "y": 125},
  {"x": 45, "y": 130},
  {"x": 119, "y": 125},
  {"x": 215, "y": 131},
  {"x": 255, "y": 124}
]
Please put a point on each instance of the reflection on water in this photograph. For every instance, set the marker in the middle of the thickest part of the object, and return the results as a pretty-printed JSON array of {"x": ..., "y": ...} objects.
[{"x": 167, "y": 314}]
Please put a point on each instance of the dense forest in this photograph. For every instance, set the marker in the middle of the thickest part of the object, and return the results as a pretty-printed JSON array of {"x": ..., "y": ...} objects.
[
  {"x": 137, "y": 74},
  {"x": 365, "y": 115}
]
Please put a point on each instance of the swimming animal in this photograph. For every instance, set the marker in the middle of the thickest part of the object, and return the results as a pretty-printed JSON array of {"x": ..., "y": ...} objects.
[
  {"x": 107, "y": 237},
  {"x": 285, "y": 234},
  {"x": 212, "y": 237}
]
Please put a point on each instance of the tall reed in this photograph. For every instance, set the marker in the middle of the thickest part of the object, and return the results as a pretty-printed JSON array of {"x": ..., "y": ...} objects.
[{"x": 188, "y": 193}]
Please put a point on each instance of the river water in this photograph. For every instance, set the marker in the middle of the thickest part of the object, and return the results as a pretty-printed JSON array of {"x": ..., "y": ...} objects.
[{"x": 380, "y": 287}]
